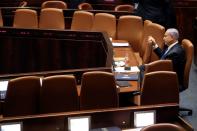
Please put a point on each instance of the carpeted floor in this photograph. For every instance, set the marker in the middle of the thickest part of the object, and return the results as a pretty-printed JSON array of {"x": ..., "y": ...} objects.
[{"x": 188, "y": 98}]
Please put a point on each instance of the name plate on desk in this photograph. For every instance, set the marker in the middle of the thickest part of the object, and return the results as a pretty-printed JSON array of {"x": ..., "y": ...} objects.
[{"x": 12, "y": 126}]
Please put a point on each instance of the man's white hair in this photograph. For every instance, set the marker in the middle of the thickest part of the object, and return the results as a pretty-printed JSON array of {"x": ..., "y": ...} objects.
[{"x": 173, "y": 32}]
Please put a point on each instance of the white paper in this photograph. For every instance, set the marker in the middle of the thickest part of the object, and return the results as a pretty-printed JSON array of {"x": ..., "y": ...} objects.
[
  {"x": 120, "y": 44},
  {"x": 132, "y": 70},
  {"x": 3, "y": 85}
]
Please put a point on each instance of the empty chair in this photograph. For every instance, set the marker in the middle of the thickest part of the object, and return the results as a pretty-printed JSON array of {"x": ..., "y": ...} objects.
[
  {"x": 159, "y": 65},
  {"x": 144, "y": 38},
  {"x": 98, "y": 90},
  {"x": 1, "y": 19},
  {"x": 163, "y": 127},
  {"x": 85, "y": 6},
  {"x": 130, "y": 28},
  {"x": 164, "y": 86},
  {"x": 82, "y": 21},
  {"x": 105, "y": 22},
  {"x": 22, "y": 96},
  {"x": 59, "y": 94},
  {"x": 128, "y": 8},
  {"x": 23, "y": 4},
  {"x": 54, "y": 4},
  {"x": 25, "y": 18},
  {"x": 51, "y": 18},
  {"x": 189, "y": 50}
]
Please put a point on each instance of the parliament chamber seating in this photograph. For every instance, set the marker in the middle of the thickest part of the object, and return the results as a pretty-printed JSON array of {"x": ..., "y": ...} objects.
[
  {"x": 130, "y": 29},
  {"x": 105, "y": 22},
  {"x": 22, "y": 96},
  {"x": 163, "y": 127},
  {"x": 99, "y": 83},
  {"x": 98, "y": 91},
  {"x": 25, "y": 18},
  {"x": 189, "y": 51},
  {"x": 159, "y": 65},
  {"x": 59, "y": 94},
  {"x": 85, "y": 6},
  {"x": 82, "y": 21},
  {"x": 54, "y": 4},
  {"x": 125, "y": 7},
  {"x": 164, "y": 86},
  {"x": 51, "y": 18}
]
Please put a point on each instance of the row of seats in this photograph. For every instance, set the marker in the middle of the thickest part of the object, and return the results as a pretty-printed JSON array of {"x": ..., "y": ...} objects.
[
  {"x": 30, "y": 95},
  {"x": 50, "y": 18},
  {"x": 128, "y": 28},
  {"x": 81, "y": 6}
]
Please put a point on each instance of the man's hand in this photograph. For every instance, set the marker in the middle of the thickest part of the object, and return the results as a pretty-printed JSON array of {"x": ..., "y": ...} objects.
[{"x": 151, "y": 41}]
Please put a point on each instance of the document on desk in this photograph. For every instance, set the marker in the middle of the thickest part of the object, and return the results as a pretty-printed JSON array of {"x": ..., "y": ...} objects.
[
  {"x": 126, "y": 77},
  {"x": 133, "y": 69},
  {"x": 120, "y": 44},
  {"x": 123, "y": 84}
]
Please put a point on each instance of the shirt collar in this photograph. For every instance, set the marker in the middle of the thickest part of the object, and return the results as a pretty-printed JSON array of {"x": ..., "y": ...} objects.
[{"x": 169, "y": 47}]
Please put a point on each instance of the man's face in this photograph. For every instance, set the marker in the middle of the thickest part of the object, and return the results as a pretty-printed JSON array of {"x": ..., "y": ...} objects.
[{"x": 168, "y": 39}]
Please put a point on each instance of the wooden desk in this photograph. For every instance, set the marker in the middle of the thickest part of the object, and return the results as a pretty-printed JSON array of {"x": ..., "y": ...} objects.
[
  {"x": 120, "y": 117},
  {"x": 122, "y": 52},
  {"x": 35, "y": 50},
  {"x": 126, "y": 51}
]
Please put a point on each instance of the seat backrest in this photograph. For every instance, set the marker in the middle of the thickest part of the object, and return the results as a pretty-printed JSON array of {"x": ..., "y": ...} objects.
[
  {"x": 98, "y": 90},
  {"x": 128, "y": 8},
  {"x": 157, "y": 31},
  {"x": 82, "y": 20},
  {"x": 85, "y": 6},
  {"x": 105, "y": 22},
  {"x": 159, "y": 87},
  {"x": 25, "y": 18},
  {"x": 1, "y": 19},
  {"x": 163, "y": 127},
  {"x": 22, "y": 96},
  {"x": 59, "y": 94},
  {"x": 144, "y": 38},
  {"x": 130, "y": 28},
  {"x": 54, "y": 4},
  {"x": 52, "y": 18},
  {"x": 22, "y": 4},
  {"x": 159, "y": 65},
  {"x": 189, "y": 50}
]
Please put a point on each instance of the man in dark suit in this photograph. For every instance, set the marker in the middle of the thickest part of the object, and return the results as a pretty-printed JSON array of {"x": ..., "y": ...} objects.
[
  {"x": 173, "y": 51},
  {"x": 158, "y": 11}
]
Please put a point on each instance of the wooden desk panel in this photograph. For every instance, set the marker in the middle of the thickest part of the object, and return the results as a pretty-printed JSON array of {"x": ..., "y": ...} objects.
[
  {"x": 34, "y": 50},
  {"x": 120, "y": 117}
]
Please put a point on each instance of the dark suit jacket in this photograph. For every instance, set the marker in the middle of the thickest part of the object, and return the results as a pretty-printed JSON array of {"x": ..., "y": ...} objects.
[
  {"x": 158, "y": 11},
  {"x": 177, "y": 55}
]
